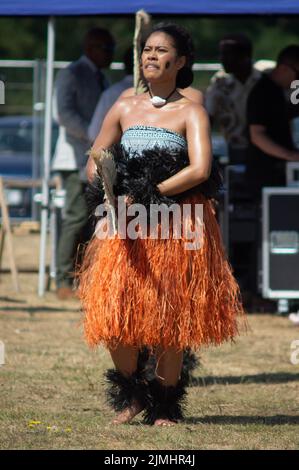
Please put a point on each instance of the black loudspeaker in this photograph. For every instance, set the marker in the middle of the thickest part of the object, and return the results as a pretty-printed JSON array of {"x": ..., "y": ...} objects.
[{"x": 280, "y": 245}]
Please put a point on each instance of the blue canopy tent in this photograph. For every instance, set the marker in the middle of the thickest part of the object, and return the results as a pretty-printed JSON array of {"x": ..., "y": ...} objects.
[
  {"x": 117, "y": 7},
  {"x": 186, "y": 7}
]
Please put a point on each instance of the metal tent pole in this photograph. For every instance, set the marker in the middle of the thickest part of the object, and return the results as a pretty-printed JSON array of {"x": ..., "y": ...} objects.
[{"x": 46, "y": 154}]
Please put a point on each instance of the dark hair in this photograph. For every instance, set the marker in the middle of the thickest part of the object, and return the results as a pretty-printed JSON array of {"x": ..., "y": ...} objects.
[
  {"x": 239, "y": 42},
  {"x": 289, "y": 55},
  {"x": 184, "y": 47}
]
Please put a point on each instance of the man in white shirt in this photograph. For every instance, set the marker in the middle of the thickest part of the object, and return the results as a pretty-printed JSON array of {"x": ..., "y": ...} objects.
[
  {"x": 226, "y": 97},
  {"x": 110, "y": 95}
]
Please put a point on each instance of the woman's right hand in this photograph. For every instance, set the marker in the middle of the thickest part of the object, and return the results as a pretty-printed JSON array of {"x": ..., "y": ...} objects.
[
  {"x": 102, "y": 228},
  {"x": 128, "y": 200}
]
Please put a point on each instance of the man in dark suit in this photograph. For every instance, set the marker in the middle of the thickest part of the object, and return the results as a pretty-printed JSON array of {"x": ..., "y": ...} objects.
[{"x": 77, "y": 90}]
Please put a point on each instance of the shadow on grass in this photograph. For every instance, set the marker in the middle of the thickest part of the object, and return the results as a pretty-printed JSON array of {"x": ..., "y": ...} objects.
[
  {"x": 272, "y": 378},
  {"x": 12, "y": 300},
  {"x": 39, "y": 309},
  {"x": 225, "y": 419},
  {"x": 278, "y": 420}
]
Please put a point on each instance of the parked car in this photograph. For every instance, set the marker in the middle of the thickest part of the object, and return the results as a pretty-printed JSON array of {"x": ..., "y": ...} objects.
[{"x": 17, "y": 160}]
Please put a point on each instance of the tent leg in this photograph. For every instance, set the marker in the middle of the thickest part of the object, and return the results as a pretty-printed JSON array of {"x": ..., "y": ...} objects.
[{"x": 47, "y": 155}]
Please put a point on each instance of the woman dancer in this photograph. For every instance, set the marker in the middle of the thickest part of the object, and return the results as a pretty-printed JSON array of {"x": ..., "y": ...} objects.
[{"x": 155, "y": 293}]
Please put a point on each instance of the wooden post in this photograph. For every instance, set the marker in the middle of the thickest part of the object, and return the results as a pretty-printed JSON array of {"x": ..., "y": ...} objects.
[{"x": 5, "y": 231}]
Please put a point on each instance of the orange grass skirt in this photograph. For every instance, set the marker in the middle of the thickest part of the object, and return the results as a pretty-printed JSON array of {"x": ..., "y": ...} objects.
[{"x": 149, "y": 292}]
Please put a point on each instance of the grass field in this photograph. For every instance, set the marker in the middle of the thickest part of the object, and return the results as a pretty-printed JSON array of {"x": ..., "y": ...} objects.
[{"x": 244, "y": 396}]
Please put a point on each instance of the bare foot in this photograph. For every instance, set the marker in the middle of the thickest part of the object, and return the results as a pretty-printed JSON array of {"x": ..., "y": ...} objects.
[
  {"x": 164, "y": 422},
  {"x": 128, "y": 414}
]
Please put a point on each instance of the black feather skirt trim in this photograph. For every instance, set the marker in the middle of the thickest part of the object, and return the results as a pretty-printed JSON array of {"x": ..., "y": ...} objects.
[
  {"x": 94, "y": 194},
  {"x": 138, "y": 175},
  {"x": 164, "y": 402}
]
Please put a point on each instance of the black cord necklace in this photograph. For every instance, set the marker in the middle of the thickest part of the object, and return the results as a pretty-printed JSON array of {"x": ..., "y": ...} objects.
[{"x": 157, "y": 101}]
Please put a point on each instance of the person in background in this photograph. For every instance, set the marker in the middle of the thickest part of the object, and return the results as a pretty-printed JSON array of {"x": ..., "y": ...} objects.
[
  {"x": 226, "y": 97},
  {"x": 78, "y": 88},
  {"x": 269, "y": 127},
  {"x": 110, "y": 95}
]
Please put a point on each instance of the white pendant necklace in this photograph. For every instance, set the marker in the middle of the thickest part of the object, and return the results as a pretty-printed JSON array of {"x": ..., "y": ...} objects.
[{"x": 157, "y": 101}]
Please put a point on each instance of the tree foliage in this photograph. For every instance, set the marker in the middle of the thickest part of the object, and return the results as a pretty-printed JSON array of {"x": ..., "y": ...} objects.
[{"x": 25, "y": 38}]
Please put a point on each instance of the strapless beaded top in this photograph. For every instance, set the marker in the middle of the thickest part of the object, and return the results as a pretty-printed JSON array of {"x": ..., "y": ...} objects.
[{"x": 137, "y": 138}]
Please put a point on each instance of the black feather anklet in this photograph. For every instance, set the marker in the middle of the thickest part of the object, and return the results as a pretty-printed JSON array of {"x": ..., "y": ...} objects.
[
  {"x": 190, "y": 363},
  {"x": 123, "y": 391},
  {"x": 164, "y": 402}
]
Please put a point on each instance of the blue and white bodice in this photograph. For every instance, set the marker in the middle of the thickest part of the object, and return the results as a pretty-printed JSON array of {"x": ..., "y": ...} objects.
[{"x": 137, "y": 138}]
